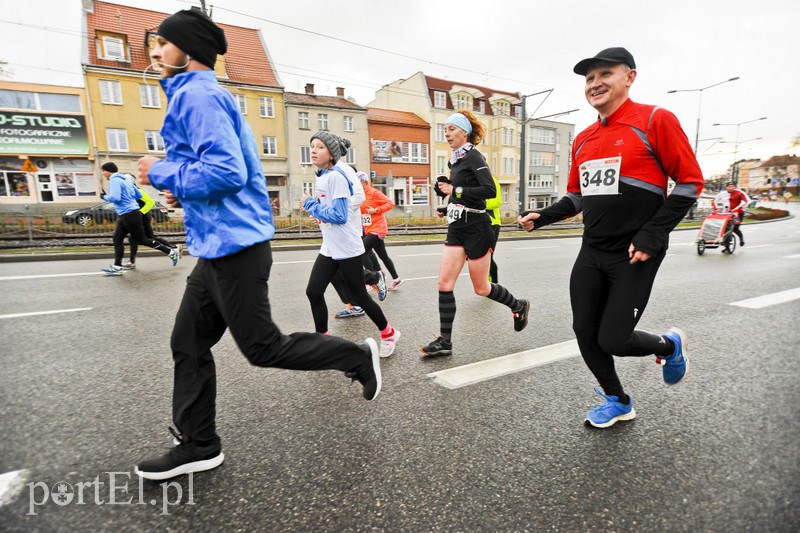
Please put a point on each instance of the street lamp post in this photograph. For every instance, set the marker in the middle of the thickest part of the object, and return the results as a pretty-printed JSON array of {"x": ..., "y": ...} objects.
[
  {"x": 523, "y": 149},
  {"x": 699, "y": 104},
  {"x": 735, "y": 167}
]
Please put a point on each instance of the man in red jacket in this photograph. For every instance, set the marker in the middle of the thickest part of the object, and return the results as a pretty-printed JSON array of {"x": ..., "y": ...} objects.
[
  {"x": 618, "y": 178},
  {"x": 732, "y": 200}
]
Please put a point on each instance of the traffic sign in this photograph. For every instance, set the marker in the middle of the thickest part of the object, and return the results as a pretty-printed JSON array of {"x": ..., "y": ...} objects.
[{"x": 28, "y": 166}]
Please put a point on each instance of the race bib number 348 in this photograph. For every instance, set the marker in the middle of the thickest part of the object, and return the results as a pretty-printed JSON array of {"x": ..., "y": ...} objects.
[{"x": 600, "y": 176}]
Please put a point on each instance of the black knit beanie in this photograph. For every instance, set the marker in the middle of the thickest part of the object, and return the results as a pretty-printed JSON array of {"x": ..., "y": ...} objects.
[{"x": 193, "y": 32}]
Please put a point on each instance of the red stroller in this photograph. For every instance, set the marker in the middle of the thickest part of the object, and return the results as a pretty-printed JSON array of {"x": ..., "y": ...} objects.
[{"x": 716, "y": 231}]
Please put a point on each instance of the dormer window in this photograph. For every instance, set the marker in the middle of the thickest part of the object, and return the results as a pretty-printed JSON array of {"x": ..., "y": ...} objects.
[
  {"x": 463, "y": 101},
  {"x": 112, "y": 46},
  {"x": 502, "y": 108}
]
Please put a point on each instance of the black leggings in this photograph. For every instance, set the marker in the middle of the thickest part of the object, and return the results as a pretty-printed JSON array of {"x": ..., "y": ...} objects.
[
  {"x": 232, "y": 293},
  {"x": 492, "y": 264},
  {"x": 131, "y": 223},
  {"x": 352, "y": 270},
  {"x": 608, "y": 297},
  {"x": 148, "y": 231},
  {"x": 373, "y": 242}
]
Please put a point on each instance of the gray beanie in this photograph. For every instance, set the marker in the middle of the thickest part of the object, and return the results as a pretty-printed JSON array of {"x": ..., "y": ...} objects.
[{"x": 336, "y": 145}]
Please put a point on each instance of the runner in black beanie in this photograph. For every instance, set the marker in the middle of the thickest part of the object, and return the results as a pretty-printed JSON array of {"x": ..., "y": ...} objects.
[{"x": 193, "y": 32}]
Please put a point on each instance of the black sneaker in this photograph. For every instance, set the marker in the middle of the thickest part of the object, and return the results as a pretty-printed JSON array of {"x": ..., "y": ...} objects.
[
  {"x": 369, "y": 373},
  {"x": 182, "y": 459},
  {"x": 521, "y": 315},
  {"x": 437, "y": 348}
]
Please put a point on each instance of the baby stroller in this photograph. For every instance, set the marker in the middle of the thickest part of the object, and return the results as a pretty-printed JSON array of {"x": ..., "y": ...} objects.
[{"x": 716, "y": 231}]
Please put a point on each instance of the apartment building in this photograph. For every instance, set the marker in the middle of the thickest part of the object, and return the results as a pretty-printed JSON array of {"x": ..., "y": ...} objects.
[
  {"x": 399, "y": 158},
  {"x": 434, "y": 99},
  {"x": 309, "y": 112},
  {"x": 547, "y": 161},
  {"x": 127, "y": 105}
]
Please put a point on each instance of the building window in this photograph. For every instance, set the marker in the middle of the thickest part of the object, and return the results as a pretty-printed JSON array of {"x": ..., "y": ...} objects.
[
  {"x": 154, "y": 141},
  {"x": 149, "y": 95},
  {"x": 303, "y": 121},
  {"x": 518, "y": 111},
  {"x": 540, "y": 181},
  {"x": 501, "y": 108},
  {"x": 350, "y": 158},
  {"x": 414, "y": 153},
  {"x": 322, "y": 118},
  {"x": 266, "y": 106},
  {"x": 440, "y": 133},
  {"x": 542, "y": 159},
  {"x": 441, "y": 165},
  {"x": 308, "y": 187},
  {"x": 481, "y": 106},
  {"x": 505, "y": 194},
  {"x": 439, "y": 99},
  {"x": 117, "y": 140},
  {"x": 508, "y": 166},
  {"x": 305, "y": 155},
  {"x": 112, "y": 47},
  {"x": 543, "y": 136},
  {"x": 463, "y": 101},
  {"x": 242, "y": 102},
  {"x": 348, "y": 124},
  {"x": 509, "y": 137},
  {"x": 69, "y": 103},
  {"x": 110, "y": 92},
  {"x": 269, "y": 145}
]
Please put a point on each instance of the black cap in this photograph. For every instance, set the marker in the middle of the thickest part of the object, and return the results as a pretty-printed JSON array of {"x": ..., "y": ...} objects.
[
  {"x": 110, "y": 167},
  {"x": 195, "y": 33},
  {"x": 609, "y": 55}
]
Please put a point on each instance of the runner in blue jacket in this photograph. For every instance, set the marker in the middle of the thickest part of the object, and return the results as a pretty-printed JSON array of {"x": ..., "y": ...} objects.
[{"x": 213, "y": 171}]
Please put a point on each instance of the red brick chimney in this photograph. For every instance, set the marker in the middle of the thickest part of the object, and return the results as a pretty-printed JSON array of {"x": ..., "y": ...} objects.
[
  {"x": 309, "y": 88},
  {"x": 340, "y": 92}
]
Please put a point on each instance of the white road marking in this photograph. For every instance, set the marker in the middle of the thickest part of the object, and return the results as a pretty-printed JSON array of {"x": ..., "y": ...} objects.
[
  {"x": 40, "y": 276},
  {"x": 431, "y": 277},
  {"x": 767, "y": 300},
  {"x": 793, "y": 256},
  {"x": 293, "y": 262},
  {"x": 419, "y": 255},
  {"x": 536, "y": 247},
  {"x": 461, "y": 376},
  {"x": 759, "y": 246},
  {"x": 11, "y": 484},
  {"x": 18, "y": 315}
]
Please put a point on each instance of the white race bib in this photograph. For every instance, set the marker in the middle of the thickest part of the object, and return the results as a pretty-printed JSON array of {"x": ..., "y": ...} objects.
[
  {"x": 600, "y": 176},
  {"x": 366, "y": 219},
  {"x": 454, "y": 212}
]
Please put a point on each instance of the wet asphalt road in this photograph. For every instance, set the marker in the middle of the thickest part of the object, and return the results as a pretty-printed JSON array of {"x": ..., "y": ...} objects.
[{"x": 87, "y": 393}]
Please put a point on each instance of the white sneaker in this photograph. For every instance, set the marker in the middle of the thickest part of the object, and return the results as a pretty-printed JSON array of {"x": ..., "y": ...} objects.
[
  {"x": 388, "y": 344},
  {"x": 127, "y": 265}
]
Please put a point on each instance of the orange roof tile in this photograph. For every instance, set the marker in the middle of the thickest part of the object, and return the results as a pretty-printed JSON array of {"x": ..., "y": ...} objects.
[
  {"x": 391, "y": 116},
  {"x": 246, "y": 60},
  {"x": 319, "y": 100}
]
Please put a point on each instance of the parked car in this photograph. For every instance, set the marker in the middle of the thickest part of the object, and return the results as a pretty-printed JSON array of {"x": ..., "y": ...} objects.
[{"x": 104, "y": 212}]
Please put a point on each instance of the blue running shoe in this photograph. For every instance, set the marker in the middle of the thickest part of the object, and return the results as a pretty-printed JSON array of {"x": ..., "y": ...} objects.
[
  {"x": 380, "y": 287},
  {"x": 610, "y": 412},
  {"x": 113, "y": 270},
  {"x": 349, "y": 312},
  {"x": 675, "y": 366},
  {"x": 174, "y": 255}
]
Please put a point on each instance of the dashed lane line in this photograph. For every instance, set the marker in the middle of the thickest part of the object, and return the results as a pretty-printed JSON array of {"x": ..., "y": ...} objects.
[
  {"x": 462, "y": 376},
  {"x": 536, "y": 247},
  {"x": 37, "y": 313},
  {"x": 767, "y": 300}
]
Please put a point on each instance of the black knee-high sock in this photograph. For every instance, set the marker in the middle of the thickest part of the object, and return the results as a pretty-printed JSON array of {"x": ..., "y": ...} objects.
[
  {"x": 447, "y": 313},
  {"x": 501, "y": 295}
]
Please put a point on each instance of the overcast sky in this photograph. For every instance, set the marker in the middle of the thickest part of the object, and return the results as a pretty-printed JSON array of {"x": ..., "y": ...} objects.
[{"x": 522, "y": 45}]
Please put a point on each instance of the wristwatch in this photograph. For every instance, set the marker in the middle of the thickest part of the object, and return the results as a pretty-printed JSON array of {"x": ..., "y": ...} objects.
[{"x": 459, "y": 191}]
